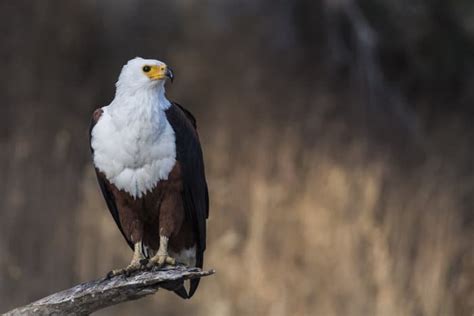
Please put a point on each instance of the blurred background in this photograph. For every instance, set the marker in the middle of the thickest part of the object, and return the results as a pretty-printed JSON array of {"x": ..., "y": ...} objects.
[{"x": 337, "y": 136}]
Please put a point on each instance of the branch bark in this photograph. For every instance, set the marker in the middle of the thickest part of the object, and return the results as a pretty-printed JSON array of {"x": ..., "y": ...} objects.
[{"x": 85, "y": 298}]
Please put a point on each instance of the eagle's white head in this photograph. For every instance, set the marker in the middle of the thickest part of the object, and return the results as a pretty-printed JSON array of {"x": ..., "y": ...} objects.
[
  {"x": 134, "y": 144},
  {"x": 140, "y": 74}
]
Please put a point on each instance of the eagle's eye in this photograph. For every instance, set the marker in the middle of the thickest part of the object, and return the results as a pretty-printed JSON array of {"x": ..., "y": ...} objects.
[{"x": 146, "y": 68}]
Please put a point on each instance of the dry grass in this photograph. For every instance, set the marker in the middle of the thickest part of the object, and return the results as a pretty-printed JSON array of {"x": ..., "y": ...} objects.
[{"x": 302, "y": 232}]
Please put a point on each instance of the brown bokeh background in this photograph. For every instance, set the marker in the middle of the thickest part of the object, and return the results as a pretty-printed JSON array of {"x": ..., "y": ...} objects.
[{"x": 338, "y": 146}]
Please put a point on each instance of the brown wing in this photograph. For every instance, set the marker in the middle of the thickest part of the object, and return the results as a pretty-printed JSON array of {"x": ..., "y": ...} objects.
[
  {"x": 103, "y": 183},
  {"x": 195, "y": 193}
]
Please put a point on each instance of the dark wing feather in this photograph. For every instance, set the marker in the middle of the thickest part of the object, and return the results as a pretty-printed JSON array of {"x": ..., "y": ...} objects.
[
  {"x": 188, "y": 114},
  {"x": 195, "y": 193},
  {"x": 108, "y": 196}
]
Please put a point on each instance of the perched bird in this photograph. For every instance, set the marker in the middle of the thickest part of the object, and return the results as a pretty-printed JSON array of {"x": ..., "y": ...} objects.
[{"x": 149, "y": 164}]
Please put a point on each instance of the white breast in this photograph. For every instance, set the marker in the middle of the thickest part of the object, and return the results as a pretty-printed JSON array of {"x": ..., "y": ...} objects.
[{"x": 134, "y": 147}]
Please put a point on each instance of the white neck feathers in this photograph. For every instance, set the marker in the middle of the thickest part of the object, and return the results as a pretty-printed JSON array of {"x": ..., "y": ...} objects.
[{"x": 133, "y": 142}]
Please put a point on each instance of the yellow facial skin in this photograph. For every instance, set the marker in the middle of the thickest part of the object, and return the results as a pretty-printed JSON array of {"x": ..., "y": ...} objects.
[{"x": 155, "y": 72}]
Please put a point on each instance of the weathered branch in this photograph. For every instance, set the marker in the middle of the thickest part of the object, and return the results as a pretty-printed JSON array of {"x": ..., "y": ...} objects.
[{"x": 88, "y": 297}]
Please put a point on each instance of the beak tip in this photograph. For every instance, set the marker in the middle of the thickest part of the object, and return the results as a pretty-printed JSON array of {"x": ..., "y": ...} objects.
[{"x": 170, "y": 74}]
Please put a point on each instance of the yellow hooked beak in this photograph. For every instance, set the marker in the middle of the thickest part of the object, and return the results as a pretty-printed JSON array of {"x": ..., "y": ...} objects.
[{"x": 155, "y": 72}]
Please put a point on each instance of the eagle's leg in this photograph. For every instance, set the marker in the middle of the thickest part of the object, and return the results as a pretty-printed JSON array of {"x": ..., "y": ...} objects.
[
  {"x": 171, "y": 216},
  {"x": 161, "y": 257},
  {"x": 138, "y": 262}
]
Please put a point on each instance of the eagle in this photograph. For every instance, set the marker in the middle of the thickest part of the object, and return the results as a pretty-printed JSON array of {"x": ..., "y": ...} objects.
[{"x": 149, "y": 165}]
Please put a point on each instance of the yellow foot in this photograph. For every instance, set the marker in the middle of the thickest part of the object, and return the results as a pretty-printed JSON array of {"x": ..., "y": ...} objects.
[
  {"x": 131, "y": 268},
  {"x": 160, "y": 260}
]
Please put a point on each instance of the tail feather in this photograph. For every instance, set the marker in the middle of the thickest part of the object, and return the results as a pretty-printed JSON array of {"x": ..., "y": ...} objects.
[
  {"x": 193, "y": 287},
  {"x": 194, "y": 283},
  {"x": 181, "y": 292}
]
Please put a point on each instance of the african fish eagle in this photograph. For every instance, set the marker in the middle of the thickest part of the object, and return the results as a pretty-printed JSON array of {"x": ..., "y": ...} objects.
[{"x": 149, "y": 165}]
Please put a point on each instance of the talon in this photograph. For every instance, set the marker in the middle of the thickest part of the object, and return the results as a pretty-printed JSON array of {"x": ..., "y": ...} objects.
[
  {"x": 134, "y": 267},
  {"x": 143, "y": 262},
  {"x": 114, "y": 273},
  {"x": 138, "y": 261},
  {"x": 170, "y": 261},
  {"x": 160, "y": 261}
]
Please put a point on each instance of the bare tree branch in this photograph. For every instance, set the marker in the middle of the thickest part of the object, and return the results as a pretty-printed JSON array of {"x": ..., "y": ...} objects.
[{"x": 88, "y": 297}]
